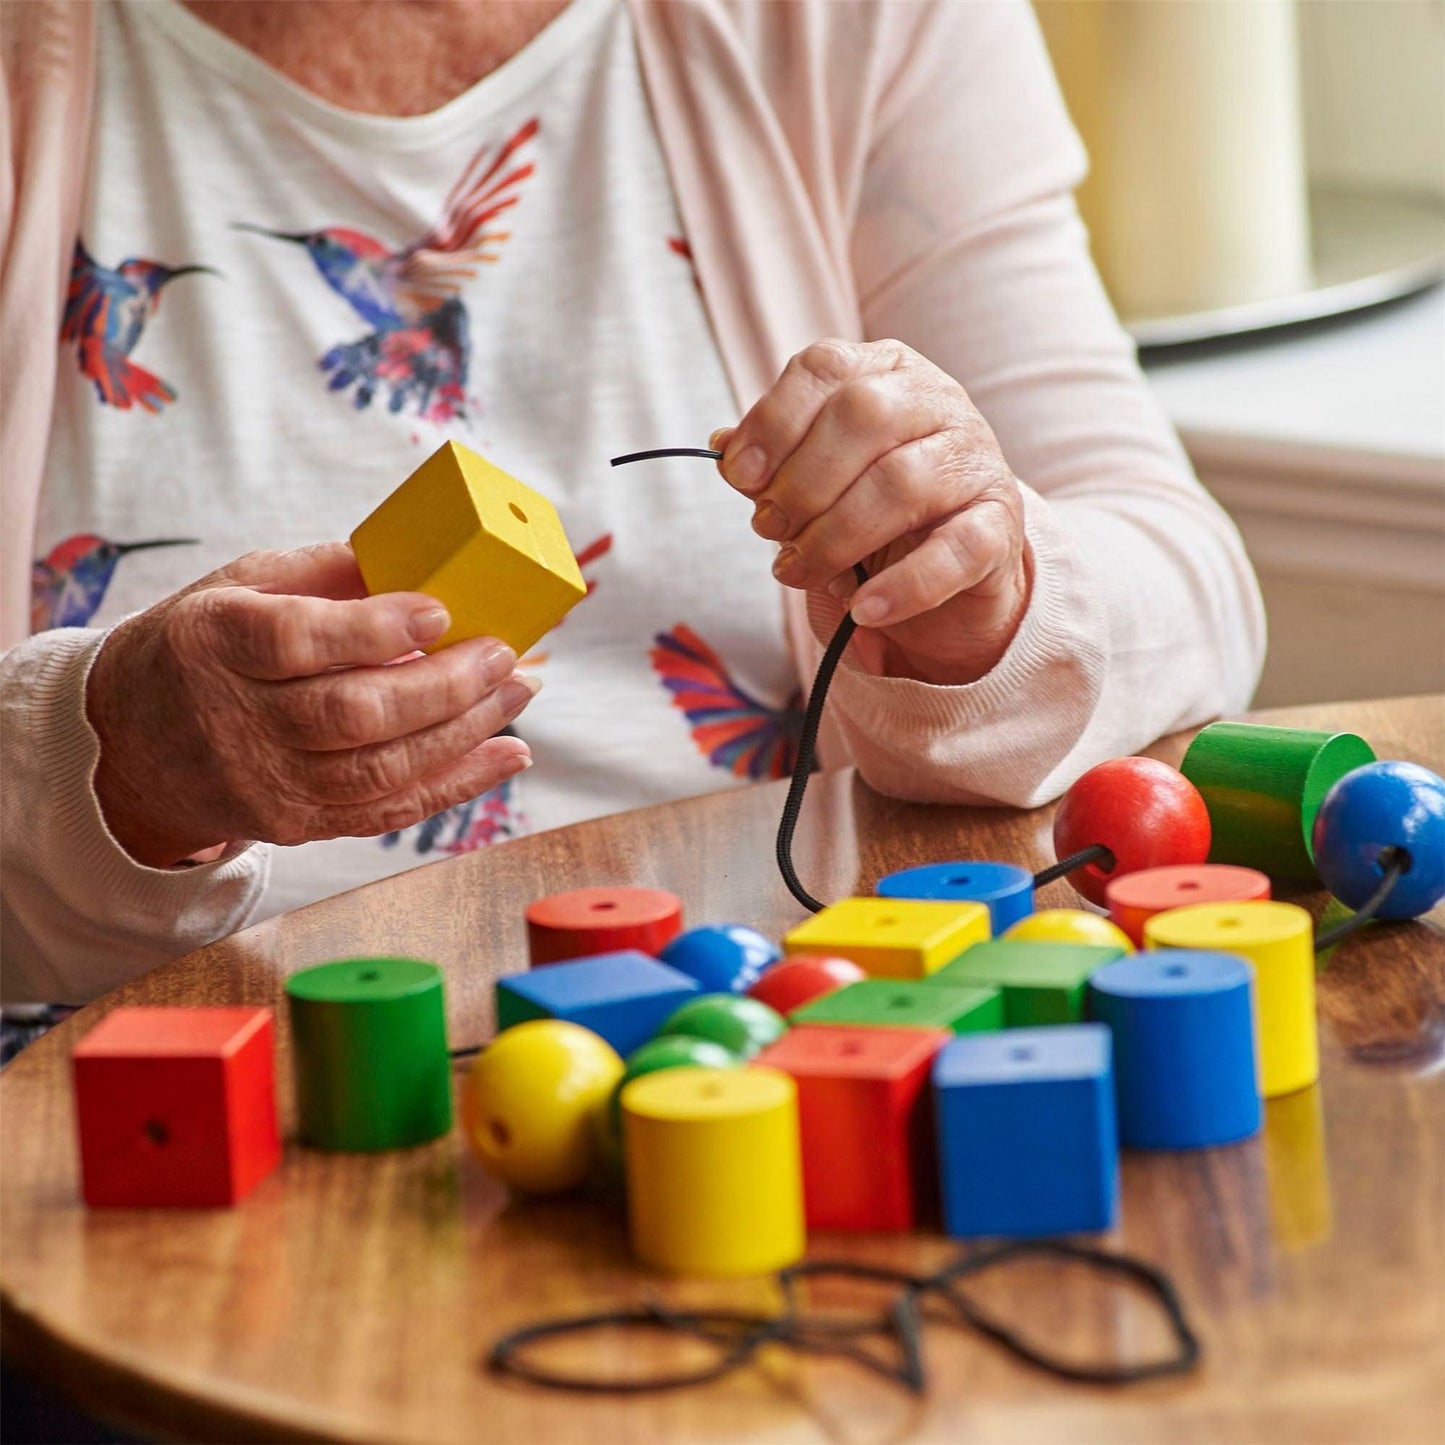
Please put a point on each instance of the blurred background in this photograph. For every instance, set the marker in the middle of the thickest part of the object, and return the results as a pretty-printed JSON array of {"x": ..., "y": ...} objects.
[{"x": 1266, "y": 203}]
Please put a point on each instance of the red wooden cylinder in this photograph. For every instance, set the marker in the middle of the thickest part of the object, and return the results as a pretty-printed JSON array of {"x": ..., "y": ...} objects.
[
  {"x": 601, "y": 920},
  {"x": 1137, "y": 897}
]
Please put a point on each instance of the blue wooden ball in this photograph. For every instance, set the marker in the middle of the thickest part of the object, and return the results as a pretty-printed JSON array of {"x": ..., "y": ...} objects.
[
  {"x": 1375, "y": 807},
  {"x": 1006, "y": 888},
  {"x": 722, "y": 957}
]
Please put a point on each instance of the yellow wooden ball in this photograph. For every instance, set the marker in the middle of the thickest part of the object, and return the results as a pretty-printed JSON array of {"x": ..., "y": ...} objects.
[
  {"x": 531, "y": 1103},
  {"x": 1069, "y": 925}
]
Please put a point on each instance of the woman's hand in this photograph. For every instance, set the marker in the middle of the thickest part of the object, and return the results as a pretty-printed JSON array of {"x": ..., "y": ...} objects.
[
  {"x": 255, "y": 705},
  {"x": 866, "y": 452}
]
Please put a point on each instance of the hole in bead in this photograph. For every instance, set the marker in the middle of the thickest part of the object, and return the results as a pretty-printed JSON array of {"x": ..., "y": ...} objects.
[
  {"x": 710, "y": 1090},
  {"x": 900, "y": 1000},
  {"x": 1176, "y": 970},
  {"x": 156, "y": 1133},
  {"x": 1394, "y": 854},
  {"x": 850, "y": 1047},
  {"x": 369, "y": 975},
  {"x": 1188, "y": 886},
  {"x": 961, "y": 880},
  {"x": 603, "y": 907},
  {"x": 886, "y": 921},
  {"x": 516, "y": 511},
  {"x": 501, "y": 1135},
  {"x": 1229, "y": 923},
  {"x": 1021, "y": 1054}
]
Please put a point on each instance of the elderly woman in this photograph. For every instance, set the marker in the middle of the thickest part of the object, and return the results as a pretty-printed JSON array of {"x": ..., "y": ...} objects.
[{"x": 261, "y": 258}]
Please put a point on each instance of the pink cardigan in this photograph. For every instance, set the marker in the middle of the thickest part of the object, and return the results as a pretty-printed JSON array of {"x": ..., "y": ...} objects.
[{"x": 875, "y": 168}]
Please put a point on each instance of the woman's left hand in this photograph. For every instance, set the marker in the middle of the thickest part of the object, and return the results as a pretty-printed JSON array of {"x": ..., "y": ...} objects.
[{"x": 866, "y": 452}]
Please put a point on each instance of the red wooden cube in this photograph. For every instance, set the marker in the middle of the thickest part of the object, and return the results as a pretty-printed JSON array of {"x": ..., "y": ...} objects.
[
  {"x": 865, "y": 1120},
  {"x": 176, "y": 1106},
  {"x": 588, "y": 921}
]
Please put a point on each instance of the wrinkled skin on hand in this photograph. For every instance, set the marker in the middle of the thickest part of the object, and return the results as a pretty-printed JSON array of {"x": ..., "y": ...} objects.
[
  {"x": 867, "y": 452},
  {"x": 257, "y": 704}
]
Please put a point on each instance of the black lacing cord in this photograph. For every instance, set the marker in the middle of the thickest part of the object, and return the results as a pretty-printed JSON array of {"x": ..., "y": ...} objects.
[
  {"x": 803, "y": 761},
  {"x": 1095, "y": 853},
  {"x": 1395, "y": 862},
  {"x": 738, "y": 1335},
  {"x": 807, "y": 743}
]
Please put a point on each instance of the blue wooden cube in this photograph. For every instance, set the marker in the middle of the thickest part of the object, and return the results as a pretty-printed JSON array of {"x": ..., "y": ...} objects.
[
  {"x": 623, "y": 996},
  {"x": 1027, "y": 1142},
  {"x": 1184, "y": 1066},
  {"x": 1005, "y": 887}
]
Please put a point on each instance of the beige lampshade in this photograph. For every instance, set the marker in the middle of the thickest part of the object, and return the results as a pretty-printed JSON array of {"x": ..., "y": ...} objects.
[{"x": 1191, "y": 114}]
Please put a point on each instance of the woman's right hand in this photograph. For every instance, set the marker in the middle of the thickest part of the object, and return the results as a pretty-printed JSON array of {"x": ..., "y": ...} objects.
[{"x": 255, "y": 705}]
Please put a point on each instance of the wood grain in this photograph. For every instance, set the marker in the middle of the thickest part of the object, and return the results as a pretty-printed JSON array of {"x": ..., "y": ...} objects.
[{"x": 353, "y": 1297}]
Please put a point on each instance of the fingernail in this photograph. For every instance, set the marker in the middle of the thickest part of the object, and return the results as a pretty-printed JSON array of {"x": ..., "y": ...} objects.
[
  {"x": 520, "y": 765},
  {"x": 426, "y": 624},
  {"x": 496, "y": 661},
  {"x": 748, "y": 469},
  {"x": 718, "y": 440},
  {"x": 841, "y": 588},
  {"x": 870, "y": 611},
  {"x": 518, "y": 691},
  {"x": 771, "y": 522},
  {"x": 788, "y": 565}
]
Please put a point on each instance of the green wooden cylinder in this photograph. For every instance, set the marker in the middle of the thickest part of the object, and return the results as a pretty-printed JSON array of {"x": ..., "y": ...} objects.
[
  {"x": 369, "y": 1052},
  {"x": 1263, "y": 787}
]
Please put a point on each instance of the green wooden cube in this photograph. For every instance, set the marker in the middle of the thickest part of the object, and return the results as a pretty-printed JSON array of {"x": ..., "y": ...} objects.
[
  {"x": 1042, "y": 983},
  {"x": 906, "y": 1004}
]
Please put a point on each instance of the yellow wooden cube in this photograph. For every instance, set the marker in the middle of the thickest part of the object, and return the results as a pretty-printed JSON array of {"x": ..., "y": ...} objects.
[
  {"x": 892, "y": 937},
  {"x": 490, "y": 549}
]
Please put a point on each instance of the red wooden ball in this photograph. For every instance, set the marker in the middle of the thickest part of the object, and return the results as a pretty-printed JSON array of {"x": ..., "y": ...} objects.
[
  {"x": 1143, "y": 811},
  {"x": 802, "y": 978}
]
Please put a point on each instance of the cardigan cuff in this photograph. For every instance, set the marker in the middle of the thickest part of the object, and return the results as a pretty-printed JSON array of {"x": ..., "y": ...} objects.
[{"x": 63, "y": 842}]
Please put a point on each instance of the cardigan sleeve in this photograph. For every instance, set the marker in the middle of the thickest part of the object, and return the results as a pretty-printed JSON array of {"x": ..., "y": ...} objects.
[
  {"x": 1145, "y": 615},
  {"x": 80, "y": 915}
]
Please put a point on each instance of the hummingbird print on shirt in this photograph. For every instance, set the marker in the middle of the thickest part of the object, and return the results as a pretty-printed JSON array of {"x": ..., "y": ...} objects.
[
  {"x": 106, "y": 312},
  {"x": 731, "y": 728},
  {"x": 69, "y": 583},
  {"x": 419, "y": 350}
]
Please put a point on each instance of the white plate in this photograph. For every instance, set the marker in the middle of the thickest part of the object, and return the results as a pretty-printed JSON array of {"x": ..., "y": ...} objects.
[{"x": 1367, "y": 247}]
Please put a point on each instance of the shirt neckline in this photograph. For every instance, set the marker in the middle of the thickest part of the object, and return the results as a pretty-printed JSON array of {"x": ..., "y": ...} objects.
[{"x": 513, "y": 78}]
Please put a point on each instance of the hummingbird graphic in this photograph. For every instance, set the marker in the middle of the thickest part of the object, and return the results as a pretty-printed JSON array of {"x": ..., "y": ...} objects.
[
  {"x": 106, "y": 311},
  {"x": 419, "y": 350},
  {"x": 68, "y": 585}
]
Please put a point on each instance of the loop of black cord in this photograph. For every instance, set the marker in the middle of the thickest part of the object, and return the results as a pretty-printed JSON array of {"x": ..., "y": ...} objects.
[
  {"x": 1095, "y": 853},
  {"x": 1396, "y": 862},
  {"x": 739, "y": 1335}
]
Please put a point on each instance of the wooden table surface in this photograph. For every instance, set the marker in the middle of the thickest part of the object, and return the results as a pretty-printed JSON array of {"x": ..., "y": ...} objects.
[{"x": 354, "y": 1297}]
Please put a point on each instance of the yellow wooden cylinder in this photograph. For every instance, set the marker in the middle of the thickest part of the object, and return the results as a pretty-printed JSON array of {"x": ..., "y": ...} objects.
[
  {"x": 1278, "y": 939},
  {"x": 714, "y": 1172}
]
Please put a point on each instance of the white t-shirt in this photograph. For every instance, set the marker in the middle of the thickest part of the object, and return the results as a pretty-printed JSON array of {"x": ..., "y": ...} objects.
[{"x": 275, "y": 398}]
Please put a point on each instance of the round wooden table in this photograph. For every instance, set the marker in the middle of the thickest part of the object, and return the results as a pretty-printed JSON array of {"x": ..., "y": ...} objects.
[{"x": 354, "y": 1297}]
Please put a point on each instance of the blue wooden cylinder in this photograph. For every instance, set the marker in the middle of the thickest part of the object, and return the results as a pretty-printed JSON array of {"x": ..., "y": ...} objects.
[
  {"x": 1184, "y": 1054},
  {"x": 1007, "y": 889}
]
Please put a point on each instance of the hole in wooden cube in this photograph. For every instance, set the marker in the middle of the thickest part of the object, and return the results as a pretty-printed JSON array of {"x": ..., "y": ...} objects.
[{"x": 176, "y": 1106}]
